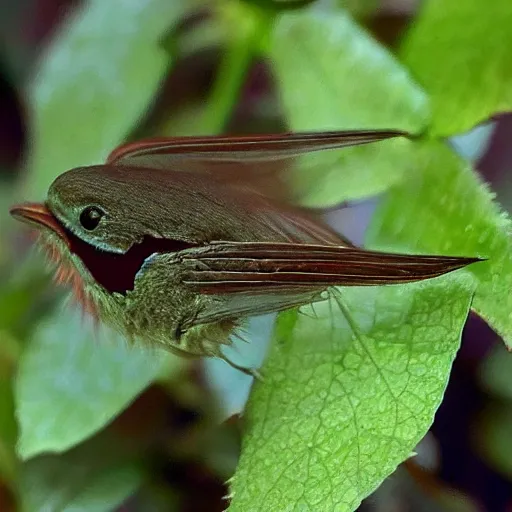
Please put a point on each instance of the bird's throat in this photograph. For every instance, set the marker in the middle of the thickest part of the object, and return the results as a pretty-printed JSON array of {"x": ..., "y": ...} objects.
[{"x": 116, "y": 272}]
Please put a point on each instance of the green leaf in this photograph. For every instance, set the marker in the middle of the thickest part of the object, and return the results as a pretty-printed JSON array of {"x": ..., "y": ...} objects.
[
  {"x": 460, "y": 52},
  {"x": 333, "y": 75},
  {"x": 95, "y": 82},
  {"x": 347, "y": 397},
  {"x": 93, "y": 477},
  {"x": 71, "y": 382},
  {"x": 444, "y": 208}
]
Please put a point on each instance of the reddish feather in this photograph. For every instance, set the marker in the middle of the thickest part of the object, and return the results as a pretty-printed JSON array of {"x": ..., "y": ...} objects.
[
  {"x": 258, "y": 162},
  {"x": 232, "y": 267},
  {"x": 67, "y": 274},
  {"x": 245, "y": 148}
]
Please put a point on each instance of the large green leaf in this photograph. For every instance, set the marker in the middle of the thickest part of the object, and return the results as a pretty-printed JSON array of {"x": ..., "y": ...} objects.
[
  {"x": 445, "y": 208},
  {"x": 95, "y": 82},
  {"x": 347, "y": 396},
  {"x": 461, "y": 52},
  {"x": 72, "y": 382},
  {"x": 333, "y": 75}
]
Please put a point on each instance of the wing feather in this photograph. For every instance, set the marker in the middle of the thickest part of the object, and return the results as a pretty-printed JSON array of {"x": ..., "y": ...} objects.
[
  {"x": 162, "y": 151},
  {"x": 227, "y": 267}
]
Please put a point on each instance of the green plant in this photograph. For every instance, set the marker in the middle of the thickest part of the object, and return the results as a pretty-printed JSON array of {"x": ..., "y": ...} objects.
[{"x": 352, "y": 385}]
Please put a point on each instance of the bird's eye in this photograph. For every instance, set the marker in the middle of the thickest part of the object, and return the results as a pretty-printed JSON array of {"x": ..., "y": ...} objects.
[{"x": 90, "y": 217}]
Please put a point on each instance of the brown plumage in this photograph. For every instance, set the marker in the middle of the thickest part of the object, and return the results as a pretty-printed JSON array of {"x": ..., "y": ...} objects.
[{"x": 175, "y": 240}]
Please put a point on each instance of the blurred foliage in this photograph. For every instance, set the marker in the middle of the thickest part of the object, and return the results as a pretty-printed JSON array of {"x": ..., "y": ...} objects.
[
  {"x": 97, "y": 78},
  {"x": 492, "y": 439},
  {"x": 88, "y": 478},
  {"x": 351, "y": 385},
  {"x": 306, "y": 48},
  {"x": 87, "y": 381}
]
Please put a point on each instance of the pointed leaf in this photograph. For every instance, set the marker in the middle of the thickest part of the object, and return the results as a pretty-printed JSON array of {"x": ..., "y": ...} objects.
[
  {"x": 347, "y": 398},
  {"x": 445, "y": 208}
]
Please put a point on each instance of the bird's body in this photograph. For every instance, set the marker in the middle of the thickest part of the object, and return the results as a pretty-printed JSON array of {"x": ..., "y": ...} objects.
[
  {"x": 172, "y": 242},
  {"x": 133, "y": 289}
]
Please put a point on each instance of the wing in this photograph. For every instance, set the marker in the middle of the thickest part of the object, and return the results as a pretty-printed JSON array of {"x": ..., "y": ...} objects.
[
  {"x": 238, "y": 268},
  {"x": 160, "y": 152},
  {"x": 249, "y": 279},
  {"x": 258, "y": 162}
]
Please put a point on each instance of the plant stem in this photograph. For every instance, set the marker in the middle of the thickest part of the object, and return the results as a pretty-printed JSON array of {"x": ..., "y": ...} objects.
[{"x": 228, "y": 84}]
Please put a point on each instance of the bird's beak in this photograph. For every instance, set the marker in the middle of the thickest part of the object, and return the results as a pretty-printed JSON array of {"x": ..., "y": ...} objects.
[{"x": 38, "y": 215}]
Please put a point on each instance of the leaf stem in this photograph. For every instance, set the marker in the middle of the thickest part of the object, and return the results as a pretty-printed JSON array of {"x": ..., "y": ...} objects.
[{"x": 228, "y": 84}]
